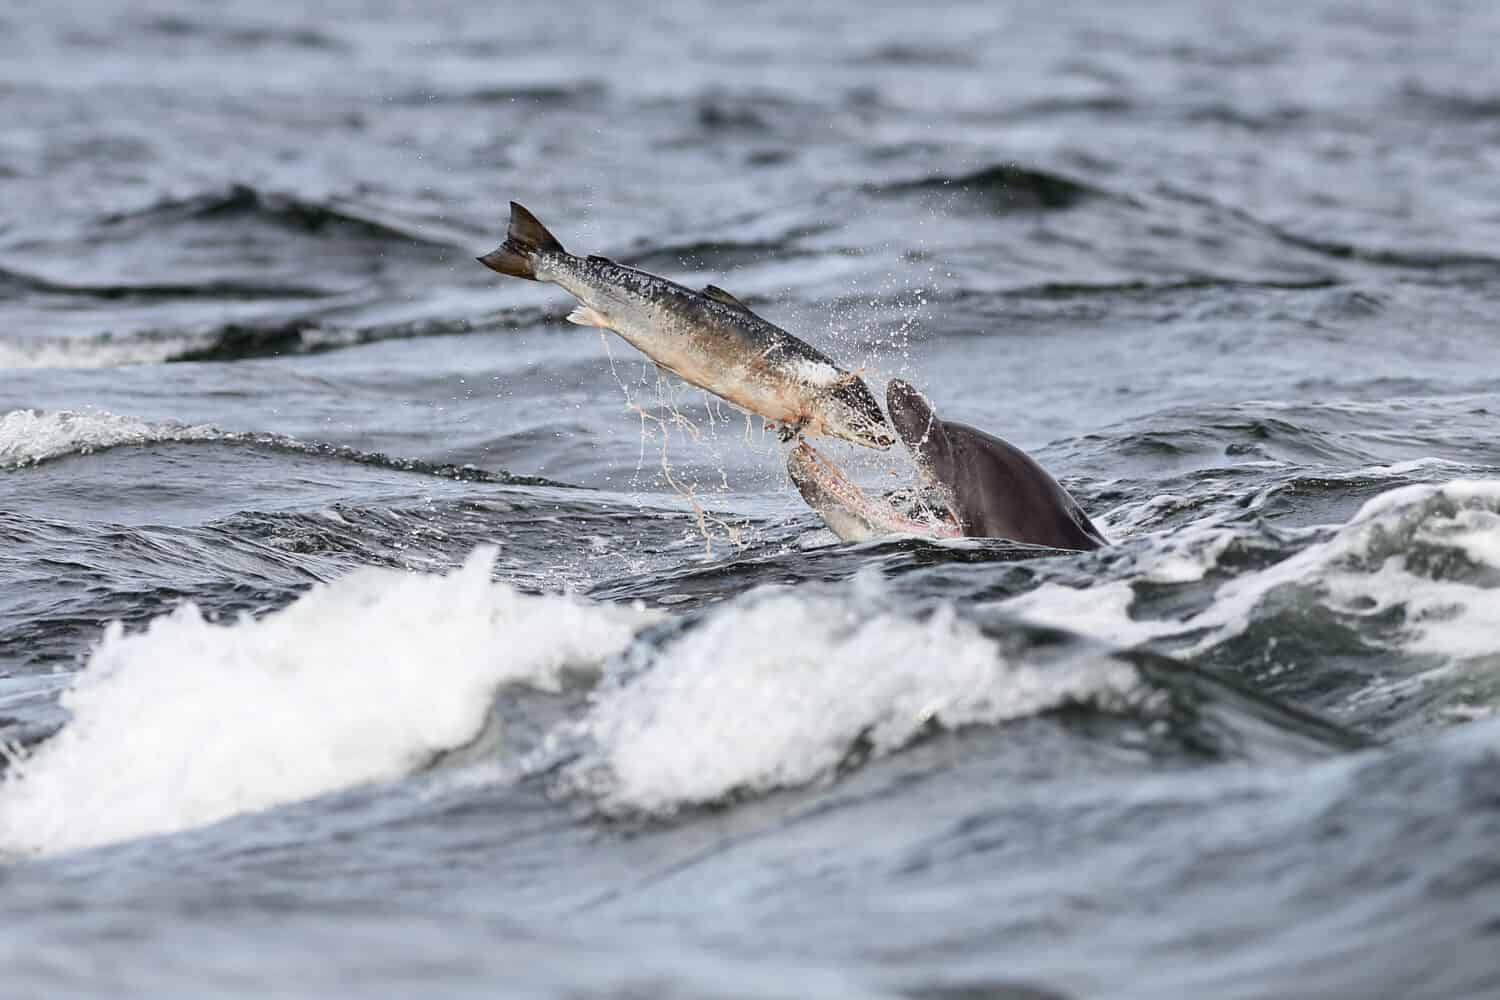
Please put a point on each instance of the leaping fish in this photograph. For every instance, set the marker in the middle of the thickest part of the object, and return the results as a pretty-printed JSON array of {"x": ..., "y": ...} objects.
[{"x": 710, "y": 338}]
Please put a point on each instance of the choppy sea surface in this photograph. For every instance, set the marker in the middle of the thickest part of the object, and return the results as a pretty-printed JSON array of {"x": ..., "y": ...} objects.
[{"x": 366, "y": 629}]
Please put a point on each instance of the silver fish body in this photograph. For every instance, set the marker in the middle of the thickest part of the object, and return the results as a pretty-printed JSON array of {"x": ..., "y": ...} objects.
[{"x": 709, "y": 338}]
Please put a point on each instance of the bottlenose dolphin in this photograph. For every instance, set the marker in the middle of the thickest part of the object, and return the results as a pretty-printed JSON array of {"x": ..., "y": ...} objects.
[
  {"x": 709, "y": 338},
  {"x": 978, "y": 486}
]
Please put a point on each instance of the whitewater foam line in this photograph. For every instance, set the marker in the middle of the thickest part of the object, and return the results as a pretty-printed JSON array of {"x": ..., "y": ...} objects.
[
  {"x": 30, "y": 437},
  {"x": 103, "y": 351},
  {"x": 362, "y": 680},
  {"x": 1136, "y": 516},
  {"x": 777, "y": 689},
  {"x": 1390, "y": 557},
  {"x": 239, "y": 341}
]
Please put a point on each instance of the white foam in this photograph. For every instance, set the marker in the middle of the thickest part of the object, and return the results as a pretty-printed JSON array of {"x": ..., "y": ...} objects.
[
  {"x": 360, "y": 680},
  {"x": 1136, "y": 516},
  {"x": 775, "y": 689},
  {"x": 1365, "y": 569},
  {"x": 1452, "y": 619},
  {"x": 31, "y": 436},
  {"x": 97, "y": 352},
  {"x": 1101, "y": 612}
]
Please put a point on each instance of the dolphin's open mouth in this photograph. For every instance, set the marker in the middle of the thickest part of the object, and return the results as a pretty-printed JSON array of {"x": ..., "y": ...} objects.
[{"x": 852, "y": 514}]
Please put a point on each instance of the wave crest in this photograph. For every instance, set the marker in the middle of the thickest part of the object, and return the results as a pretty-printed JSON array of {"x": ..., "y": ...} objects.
[
  {"x": 365, "y": 679},
  {"x": 736, "y": 705},
  {"x": 30, "y": 437},
  {"x": 283, "y": 210},
  {"x": 1006, "y": 187},
  {"x": 1416, "y": 570},
  {"x": 243, "y": 340}
]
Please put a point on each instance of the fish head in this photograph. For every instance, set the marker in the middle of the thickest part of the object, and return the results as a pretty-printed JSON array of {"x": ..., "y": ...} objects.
[
  {"x": 851, "y": 412},
  {"x": 921, "y": 431}
]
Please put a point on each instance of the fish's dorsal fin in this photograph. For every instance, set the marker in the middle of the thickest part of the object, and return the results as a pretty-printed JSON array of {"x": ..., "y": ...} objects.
[
  {"x": 719, "y": 295},
  {"x": 595, "y": 258}
]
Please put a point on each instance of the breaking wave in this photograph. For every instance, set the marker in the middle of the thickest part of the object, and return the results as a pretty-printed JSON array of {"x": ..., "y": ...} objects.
[
  {"x": 244, "y": 340},
  {"x": 1415, "y": 571},
  {"x": 732, "y": 706},
  {"x": 105, "y": 350},
  {"x": 365, "y": 679},
  {"x": 382, "y": 673},
  {"x": 30, "y": 437}
]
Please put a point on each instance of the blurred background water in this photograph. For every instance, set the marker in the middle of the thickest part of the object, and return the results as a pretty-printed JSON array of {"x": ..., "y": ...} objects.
[{"x": 428, "y": 681}]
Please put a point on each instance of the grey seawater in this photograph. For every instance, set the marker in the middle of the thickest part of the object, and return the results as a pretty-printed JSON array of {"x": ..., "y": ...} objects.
[{"x": 468, "y": 706}]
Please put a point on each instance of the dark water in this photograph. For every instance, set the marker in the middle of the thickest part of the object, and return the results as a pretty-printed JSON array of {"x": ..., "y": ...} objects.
[{"x": 1231, "y": 271}]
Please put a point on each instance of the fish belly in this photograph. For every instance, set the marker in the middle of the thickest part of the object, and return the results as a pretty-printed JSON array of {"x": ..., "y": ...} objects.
[{"x": 730, "y": 370}]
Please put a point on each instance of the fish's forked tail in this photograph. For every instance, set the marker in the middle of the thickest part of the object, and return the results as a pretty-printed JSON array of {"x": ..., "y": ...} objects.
[{"x": 523, "y": 240}]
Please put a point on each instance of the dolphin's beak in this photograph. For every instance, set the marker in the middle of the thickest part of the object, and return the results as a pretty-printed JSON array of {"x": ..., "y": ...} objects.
[{"x": 911, "y": 415}]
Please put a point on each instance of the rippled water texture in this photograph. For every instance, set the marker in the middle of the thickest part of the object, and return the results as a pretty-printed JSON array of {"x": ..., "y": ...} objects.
[{"x": 367, "y": 629}]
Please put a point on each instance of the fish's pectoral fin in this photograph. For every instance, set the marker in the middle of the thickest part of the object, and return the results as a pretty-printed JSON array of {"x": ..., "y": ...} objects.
[
  {"x": 588, "y": 316},
  {"x": 719, "y": 295}
]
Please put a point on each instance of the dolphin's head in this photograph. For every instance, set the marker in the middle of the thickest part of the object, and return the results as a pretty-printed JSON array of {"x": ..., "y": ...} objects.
[
  {"x": 851, "y": 412},
  {"x": 921, "y": 431}
]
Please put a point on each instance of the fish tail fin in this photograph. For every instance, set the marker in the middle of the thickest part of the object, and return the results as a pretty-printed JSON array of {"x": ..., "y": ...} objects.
[
  {"x": 524, "y": 239},
  {"x": 527, "y": 232}
]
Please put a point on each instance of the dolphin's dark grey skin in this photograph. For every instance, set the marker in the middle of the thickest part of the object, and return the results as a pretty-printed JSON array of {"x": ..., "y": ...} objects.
[
  {"x": 998, "y": 491},
  {"x": 991, "y": 488}
]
